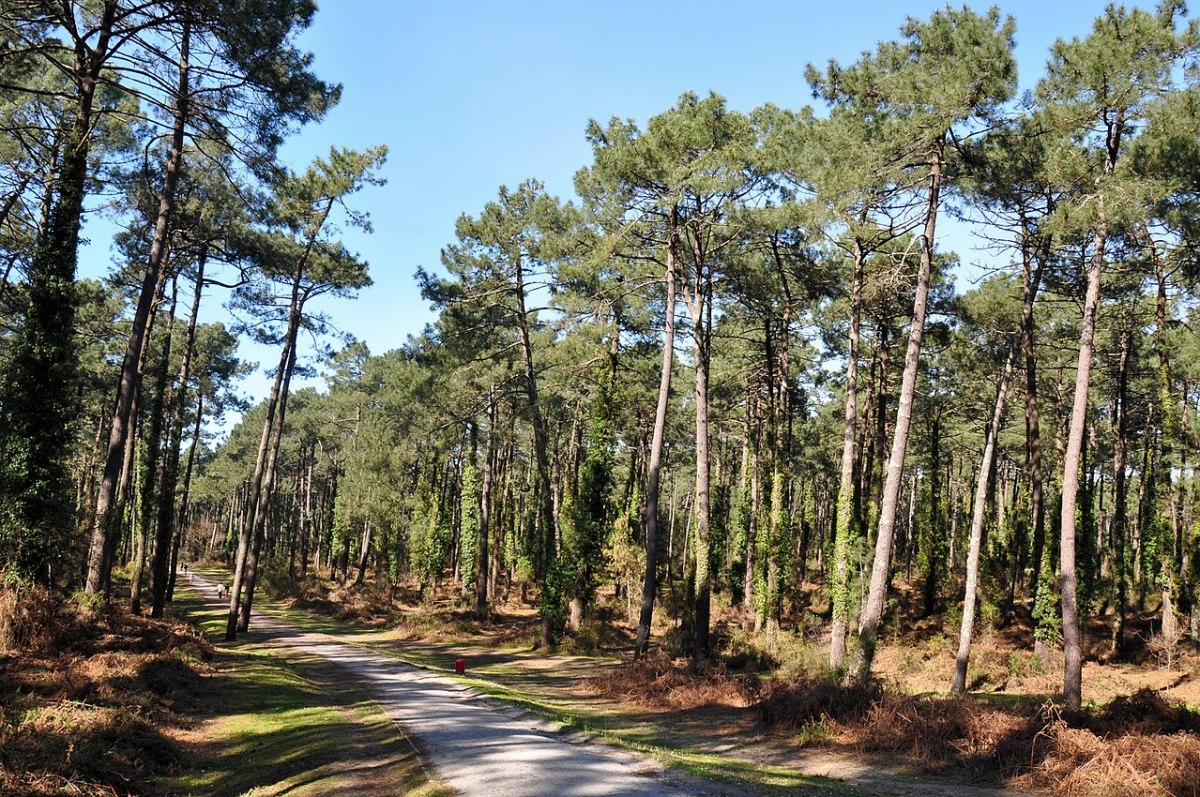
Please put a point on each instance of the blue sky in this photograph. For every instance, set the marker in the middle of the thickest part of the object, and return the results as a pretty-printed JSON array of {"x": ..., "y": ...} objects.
[{"x": 472, "y": 95}]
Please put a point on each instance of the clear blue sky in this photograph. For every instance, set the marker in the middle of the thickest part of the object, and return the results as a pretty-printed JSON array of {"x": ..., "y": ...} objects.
[{"x": 472, "y": 95}]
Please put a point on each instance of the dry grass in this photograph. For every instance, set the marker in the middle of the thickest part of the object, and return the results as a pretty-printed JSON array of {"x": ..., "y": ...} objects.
[
  {"x": 1141, "y": 745},
  {"x": 658, "y": 682},
  {"x": 90, "y": 705},
  {"x": 29, "y": 617}
]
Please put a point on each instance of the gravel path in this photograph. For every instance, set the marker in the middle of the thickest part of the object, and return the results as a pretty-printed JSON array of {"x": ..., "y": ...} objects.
[{"x": 481, "y": 746}]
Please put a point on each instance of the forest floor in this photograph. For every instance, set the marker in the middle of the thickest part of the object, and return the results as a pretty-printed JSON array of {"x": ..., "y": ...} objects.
[
  {"x": 771, "y": 718},
  {"x": 104, "y": 702}
]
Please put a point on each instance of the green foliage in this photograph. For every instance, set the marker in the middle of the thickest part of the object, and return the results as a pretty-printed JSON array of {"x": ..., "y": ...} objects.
[
  {"x": 432, "y": 542},
  {"x": 468, "y": 546},
  {"x": 933, "y": 541},
  {"x": 1047, "y": 615},
  {"x": 958, "y": 63},
  {"x": 773, "y": 565},
  {"x": 847, "y": 545},
  {"x": 587, "y": 518},
  {"x": 740, "y": 543}
]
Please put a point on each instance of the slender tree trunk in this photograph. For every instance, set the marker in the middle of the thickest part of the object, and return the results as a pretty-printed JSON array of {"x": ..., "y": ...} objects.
[
  {"x": 753, "y": 539},
  {"x": 1033, "y": 433},
  {"x": 161, "y": 571},
  {"x": 1119, "y": 532},
  {"x": 483, "y": 579},
  {"x": 873, "y": 612},
  {"x": 125, "y": 481},
  {"x": 151, "y": 468},
  {"x": 249, "y": 524},
  {"x": 699, "y": 304},
  {"x": 937, "y": 531},
  {"x": 262, "y": 512},
  {"x": 1072, "y": 642},
  {"x": 363, "y": 554},
  {"x": 873, "y": 477},
  {"x": 185, "y": 492},
  {"x": 541, "y": 445},
  {"x": 650, "y": 582},
  {"x": 844, "y": 525},
  {"x": 1170, "y": 550},
  {"x": 307, "y": 532},
  {"x": 959, "y": 686}
]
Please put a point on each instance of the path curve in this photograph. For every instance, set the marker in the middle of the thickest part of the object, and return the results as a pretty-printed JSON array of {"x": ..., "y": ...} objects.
[{"x": 481, "y": 746}]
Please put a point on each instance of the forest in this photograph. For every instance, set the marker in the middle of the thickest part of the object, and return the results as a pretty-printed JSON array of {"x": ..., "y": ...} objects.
[{"x": 737, "y": 393}]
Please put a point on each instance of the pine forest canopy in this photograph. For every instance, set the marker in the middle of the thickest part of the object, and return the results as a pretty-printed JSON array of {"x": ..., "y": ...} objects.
[{"x": 735, "y": 365}]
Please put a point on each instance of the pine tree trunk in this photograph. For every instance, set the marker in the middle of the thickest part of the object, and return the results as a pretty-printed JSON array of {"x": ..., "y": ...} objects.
[
  {"x": 263, "y": 510},
  {"x": 131, "y": 374},
  {"x": 873, "y": 612},
  {"x": 185, "y": 491},
  {"x": 1072, "y": 642},
  {"x": 844, "y": 526},
  {"x": 152, "y": 482},
  {"x": 307, "y": 532},
  {"x": 363, "y": 554},
  {"x": 700, "y": 305},
  {"x": 1031, "y": 279},
  {"x": 541, "y": 446},
  {"x": 483, "y": 584},
  {"x": 249, "y": 525},
  {"x": 978, "y": 511},
  {"x": 162, "y": 569},
  {"x": 753, "y": 538},
  {"x": 1120, "y": 416},
  {"x": 1169, "y": 549},
  {"x": 935, "y": 563},
  {"x": 650, "y": 582}
]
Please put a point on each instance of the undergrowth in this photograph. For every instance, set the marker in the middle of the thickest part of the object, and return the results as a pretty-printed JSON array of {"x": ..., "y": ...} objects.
[
  {"x": 657, "y": 681},
  {"x": 1137, "y": 746},
  {"x": 1140, "y": 745},
  {"x": 88, "y": 698}
]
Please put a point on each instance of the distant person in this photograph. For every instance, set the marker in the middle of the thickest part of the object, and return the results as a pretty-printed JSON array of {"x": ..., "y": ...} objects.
[{"x": 222, "y": 593}]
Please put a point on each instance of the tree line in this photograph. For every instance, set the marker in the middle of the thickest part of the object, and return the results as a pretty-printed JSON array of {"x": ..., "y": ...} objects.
[{"x": 733, "y": 368}]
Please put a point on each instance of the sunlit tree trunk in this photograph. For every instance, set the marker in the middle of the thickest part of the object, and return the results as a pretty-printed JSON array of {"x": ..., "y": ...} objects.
[
  {"x": 1072, "y": 642},
  {"x": 873, "y": 611},
  {"x": 1120, "y": 415}
]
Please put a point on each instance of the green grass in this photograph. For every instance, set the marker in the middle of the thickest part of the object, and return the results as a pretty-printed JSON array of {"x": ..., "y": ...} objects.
[{"x": 278, "y": 724}]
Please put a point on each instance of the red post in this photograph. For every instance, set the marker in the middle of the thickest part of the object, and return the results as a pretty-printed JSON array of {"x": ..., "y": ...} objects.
[{"x": 460, "y": 666}]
